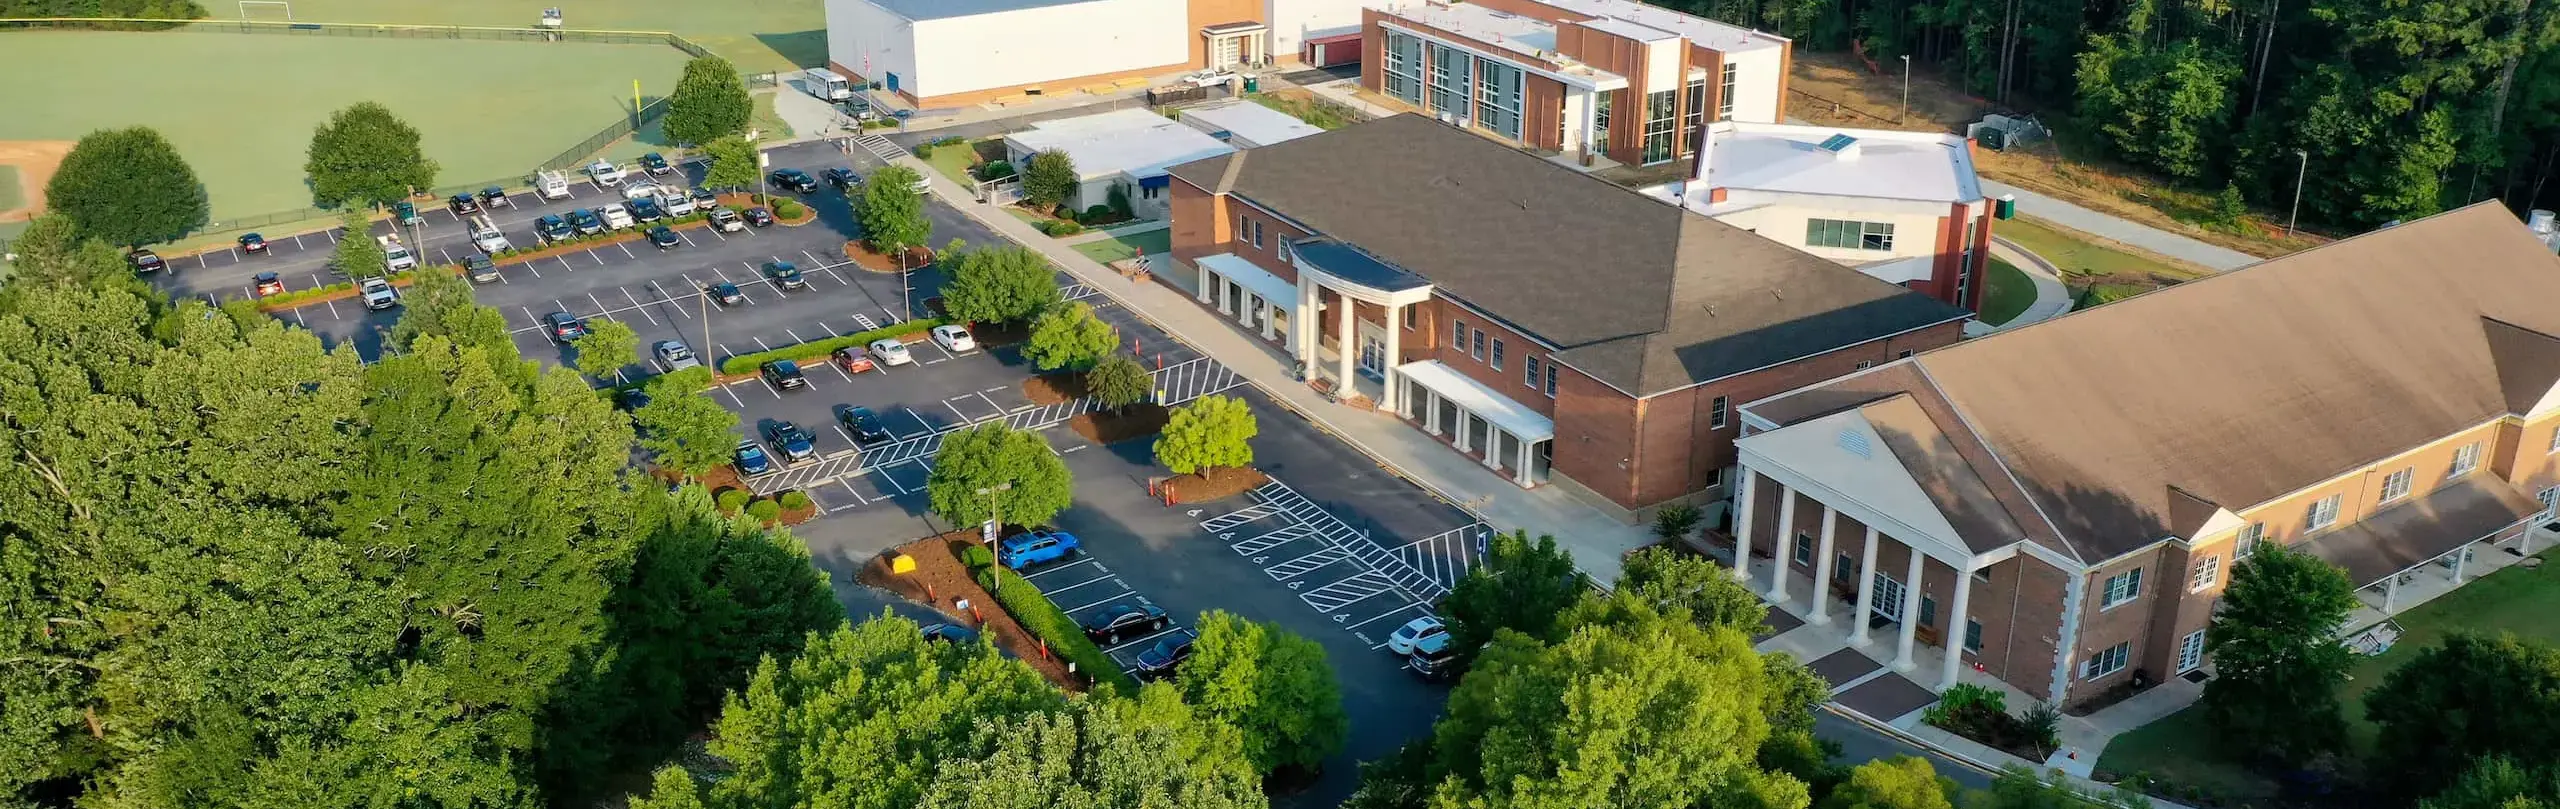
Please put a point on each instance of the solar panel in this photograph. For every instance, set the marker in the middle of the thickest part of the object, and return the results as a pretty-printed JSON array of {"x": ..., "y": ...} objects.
[{"x": 1837, "y": 143}]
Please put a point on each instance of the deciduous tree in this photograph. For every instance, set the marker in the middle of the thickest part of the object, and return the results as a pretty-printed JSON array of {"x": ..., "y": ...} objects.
[
  {"x": 607, "y": 347},
  {"x": 1694, "y": 585},
  {"x": 1069, "y": 337},
  {"x": 891, "y": 212},
  {"x": 683, "y": 429},
  {"x": 127, "y": 187},
  {"x": 1521, "y": 585},
  {"x": 1049, "y": 178},
  {"x": 364, "y": 155},
  {"x": 2497, "y": 782},
  {"x": 444, "y": 305},
  {"x": 1160, "y": 752},
  {"x": 357, "y": 254},
  {"x": 2471, "y": 697},
  {"x": 1118, "y": 382},
  {"x": 1272, "y": 684},
  {"x": 710, "y": 102},
  {"x": 1900, "y": 782},
  {"x": 733, "y": 164},
  {"x": 991, "y": 465},
  {"x": 2277, "y": 659},
  {"x": 1007, "y": 284},
  {"x": 1209, "y": 433}
]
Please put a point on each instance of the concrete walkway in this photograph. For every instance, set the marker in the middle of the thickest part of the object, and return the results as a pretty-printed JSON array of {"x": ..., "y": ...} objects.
[
  {"x": 2052, "y": 298},
  {"x": 2122, "y": 230},
  {"x": 1596, "y": 540}
]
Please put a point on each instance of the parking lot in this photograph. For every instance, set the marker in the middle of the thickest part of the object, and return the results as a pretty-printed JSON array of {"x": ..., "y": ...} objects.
[
  {"x": 1364, "y": 586},
  {"x": 1085, "y": 586}
]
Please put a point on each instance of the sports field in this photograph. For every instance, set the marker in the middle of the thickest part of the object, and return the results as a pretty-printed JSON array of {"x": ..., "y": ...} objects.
[
  {"x": 762, "y": 36},
  {"x": 242, "y": 107}
]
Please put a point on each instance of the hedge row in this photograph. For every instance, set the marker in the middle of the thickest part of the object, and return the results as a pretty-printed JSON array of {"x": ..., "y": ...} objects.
[
  {"x": 340, "y": 289},
  {"x": 748, "y": 363},
  {"x": 613, "y": 235},
  {"x": 1042, "y": 618}
]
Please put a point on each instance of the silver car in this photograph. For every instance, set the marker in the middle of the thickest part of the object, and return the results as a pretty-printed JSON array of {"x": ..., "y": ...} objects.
[{"x": 674, "y": 355}]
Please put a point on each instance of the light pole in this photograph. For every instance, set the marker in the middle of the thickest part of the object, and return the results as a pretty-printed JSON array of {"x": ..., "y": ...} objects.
[
  {"x": 987, "y": 533},
  {"x": 1906, "y": 90},
  {"x": 2299, "y": 173},
  {"x": 906, "y": 292}
]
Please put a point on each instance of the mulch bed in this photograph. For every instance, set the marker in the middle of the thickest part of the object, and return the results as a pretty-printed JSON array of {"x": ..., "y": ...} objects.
[
  {"x": 1049, "y": 389},
  {"x": 861, "y": 254},
  {"x": 725, "y": 477},
  {"x": 1110, "y": 427},
  {"x": 1210, "y": 485},
  {"x": 939, "y": 582}
]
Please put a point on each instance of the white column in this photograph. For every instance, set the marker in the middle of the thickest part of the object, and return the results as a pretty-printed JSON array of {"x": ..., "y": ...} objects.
[
  {"x": 1302, "y": 326},
  {"x": 1866, "y": 591},
  {"x": 1786, "y": 545},
  {"x": 1431, "y": 411},
  {"x": 1520, "y": 469},
  {"x": 1954, "y": 645},
  {"x": 1268, "y": 314},
  {"x": 1244, "y": 309},
  {"x": 1822, "y": 567},
  {"x": 1742, "y": 524},
  {"x": 1395, "y": 356},
  {"x": 2460, "y": 556},
  {"x": 1910, "y": 612},
  {"x": 2390, "y": 593},
  {"x": 1206, "y": 278},
  {"x": 1344, "y": 352},
  {"x": 1492, "y": 445},
  {"x": 1466, "y": 437}
]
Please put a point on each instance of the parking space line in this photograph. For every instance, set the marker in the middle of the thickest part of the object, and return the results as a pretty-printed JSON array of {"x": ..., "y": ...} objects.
[
  {"x": 892, "y": 480},
  {"x": 332, "y": 234},
  {"x": 990, "y": 402},
  {"x": 600, "y": 259},
  {"x": 847, "y": 485},
  {"x": 955, "y": 410},
  {"x": 637, "y": 305},
  {"x": 688, "y": 240},
  {"x": 795, "y": 336},
  {"x": 1054, "y": 593},
  {"x": 564, "y": 263},
  {"x": 919, "y": 417},
  {"x": 1074, "y": 610},
  {"x": 839, "y": 369},
  {"x": 333, "y": 310},
  {"x": 760, "y": 343},
  {"x": 1070, "y": 565},
  {"x": 1374, "y": 619},
  {"x": 733, "y": 397},
  {"x": 1168, "y": 631}
]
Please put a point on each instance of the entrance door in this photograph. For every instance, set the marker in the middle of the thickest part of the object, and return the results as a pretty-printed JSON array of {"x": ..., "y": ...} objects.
[
  {"x": 2191, "y": 652},
  {"x": 1373, "y": 356},
  {"x": 893, "y": 82},
  {"x": 1888, "y": 597},
  {"x": 1224, "y": 51}
]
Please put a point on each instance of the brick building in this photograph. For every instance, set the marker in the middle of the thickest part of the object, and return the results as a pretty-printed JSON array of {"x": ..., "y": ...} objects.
[
  {"x": 1559, "y": 328},
  {"x": 2069, "y": 497}
]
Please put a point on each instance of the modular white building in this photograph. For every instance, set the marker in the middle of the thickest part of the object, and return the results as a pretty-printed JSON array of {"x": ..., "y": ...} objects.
[
  {"x": 1129, "y": 148},
  {"x": 1244, "y": 124},
  {"x": 951, "y": 52}
]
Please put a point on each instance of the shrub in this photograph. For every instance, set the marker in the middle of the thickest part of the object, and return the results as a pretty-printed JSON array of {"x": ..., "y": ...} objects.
[
  {"x": 787, "y": 209},
  {"x": 924, "y": 150},
  {"x": 747, "y": 363},
  {"x": 794, "y": 500},
  {"x": 948, "y": 140},
  {"x": 1099, "y": 212},
  {"x": 764, "y": 510},
  {"x": 995, "y": 170},
  {"x": 976, "y": 557},
  {"x": 1673, "y": 523},
  {"x": 1045, "y": 621},
  {"x": 731, "y": 500},
  {"x": 1059, "y": 227}
]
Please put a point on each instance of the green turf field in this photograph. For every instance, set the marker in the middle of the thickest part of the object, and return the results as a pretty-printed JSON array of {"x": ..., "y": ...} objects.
[
  {"x": 763, "y": 36},
  {"x": 11, "y": 196},
  {"x": 241, "y": 107}
]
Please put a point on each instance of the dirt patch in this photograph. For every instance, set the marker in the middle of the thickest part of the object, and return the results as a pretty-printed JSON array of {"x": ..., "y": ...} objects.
[
  {"x": 940, "y": 582},
  {"x": 35, "y": 161},
  {"x": 860, "y": 253},
  {"x": 1112, "y": 427},
  {"x": 1209, "y": 485},
  {"x": 1049, "y": 389}
]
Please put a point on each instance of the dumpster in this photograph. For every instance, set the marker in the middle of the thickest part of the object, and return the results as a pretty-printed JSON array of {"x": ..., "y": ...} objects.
[{"x": 1252, "y": 84}]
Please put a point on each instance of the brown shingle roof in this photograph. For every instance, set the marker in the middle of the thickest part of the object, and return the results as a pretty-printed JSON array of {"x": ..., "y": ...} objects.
[
  {"x": 2409, "y": 534},
  {"x": 2241, "y": 388},
  {"x": 1943, "y": 472},
  {"x": 1638, "y": 294}
]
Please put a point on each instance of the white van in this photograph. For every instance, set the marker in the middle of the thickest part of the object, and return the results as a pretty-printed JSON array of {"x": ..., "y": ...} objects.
[
  {"x": 826, "y": 84},
  {"x": 395, "y": 256},
  {"x": 551, "y": 184}
]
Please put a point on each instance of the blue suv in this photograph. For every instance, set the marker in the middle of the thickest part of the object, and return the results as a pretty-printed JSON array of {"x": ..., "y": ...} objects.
[{"x": 1033, "y": 548}]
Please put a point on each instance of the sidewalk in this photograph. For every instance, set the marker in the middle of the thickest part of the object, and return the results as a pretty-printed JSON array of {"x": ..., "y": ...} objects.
[
  {"x": 1596, "y": 541},
  {"x": 2139, "y": 235},
  {"x": 2052, "y": 298}
]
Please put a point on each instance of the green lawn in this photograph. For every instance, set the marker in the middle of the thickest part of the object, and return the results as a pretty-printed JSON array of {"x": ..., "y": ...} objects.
[
  {"x": 2009, "y": 295},
  {"x": 1304, "y": 106},
  {"x": 1104, "y": 251},
  {"x": 488, "y": 110},
  {"x": 2180, "y": 749},
  {"x": 2076, "y": 254},
  {"x": 765, "y": 36},
  {"x": 953, "y": 161}
]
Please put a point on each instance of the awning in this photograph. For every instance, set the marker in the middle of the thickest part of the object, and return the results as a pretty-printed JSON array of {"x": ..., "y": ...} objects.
[
  {"x": 1156, "y": 181},
  {"x": 1233, "y": 28},
  {"x": 2410, "y": 534},
  {"x": 1513, "y": 417},
  {"x": 1355, "y": 266},
  {"x": 1280, "y": 293}
]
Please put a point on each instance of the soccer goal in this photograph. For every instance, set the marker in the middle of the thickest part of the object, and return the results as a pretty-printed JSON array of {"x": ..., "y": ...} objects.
[{"x": 251, "y": 10}]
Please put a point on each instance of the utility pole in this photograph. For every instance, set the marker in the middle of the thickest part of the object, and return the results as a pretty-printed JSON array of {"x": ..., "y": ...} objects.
[
  {"x": 2299, "y": 173},
  {"x": 995, "y": 518},
  {"x": 1906, "y": 90},
  {"x": 705, "y": 350},
  {"x": 906, "y": 291}
]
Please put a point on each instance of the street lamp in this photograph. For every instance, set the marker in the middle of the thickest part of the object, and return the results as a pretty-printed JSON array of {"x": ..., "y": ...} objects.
[
  {"x": 1906, "y": 90},
  {"x": 2299, "y": 173},
  {"x": 987, "y": 532}
]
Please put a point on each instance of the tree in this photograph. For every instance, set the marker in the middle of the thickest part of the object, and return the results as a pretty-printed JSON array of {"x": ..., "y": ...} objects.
[
  {"x": 1014, "y": 471},
  {"x": 1521, "y": 586},
  {"x": 684, "y": 430},
  {"x": 127, "y": 187},
  {"x": 892, "y": 213},
  {"x": 1006, "y": 284},
  {"x": 2498, "y": 782},
  {"x": 1118, "y": 382},
  {"x": 2277, "y": 659},
  {"x": 671, "y": 788},
  {"x": 365, "y": 155},
  {"x": 1049, "y": 178},
  {"x": 1208, "y": 433},
  {"x": 2229, "y": 207},
  {"x": 1146, "y": 751},
  {"x": 710, "y": 102},
  {"x": 357, "y": 254},
  {"x": 2471, "y": 697},
  {"x": 444, "y": 305},
  {"x": 1900, "y": 782},
  {"x": 733, "y": 164},
  {"x": 1069, "y": 337},
  {"x": 52, "y": 249},
  {"x": 607, "y": 347},
  {"x": 1694, "y": 586},
  {"x": 1269, "y": 683}
]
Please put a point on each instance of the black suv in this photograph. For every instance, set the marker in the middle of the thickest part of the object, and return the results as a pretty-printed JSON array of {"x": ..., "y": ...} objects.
[
  {"x": 586, "y": 221},
  {"x": 655, "y": 163},
  {"x": 862, "y": 423},
  {"x": 665, "y": 238},
  {"x": 1107, "y": 627},
  {"x": 840, "y": 178},
  {"x": 1158, "y": 661},
  {"x": 463, "y": 205},
  {"x": 758, "y": 217},
  {"x": 789, "y": 441},
  {"x": 785, "y": 275},
  {"x": 793, "y": 180},
  {"x": 783, "y": 375},
  {"x": 145, "y": 261},
  {"x": 551, "y": 228},
  {"x": 646, "y": 210},
  {"x": 480, "y": 269},
  {"x": 725, "y": 294}
]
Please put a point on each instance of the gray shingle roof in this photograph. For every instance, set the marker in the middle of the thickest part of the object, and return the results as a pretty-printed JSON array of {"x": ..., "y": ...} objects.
[{"x": 1640, "y": 295}]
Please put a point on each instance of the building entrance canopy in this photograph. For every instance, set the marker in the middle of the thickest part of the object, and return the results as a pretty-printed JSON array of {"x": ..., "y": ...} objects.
[{"x": 1512, "y": 417}]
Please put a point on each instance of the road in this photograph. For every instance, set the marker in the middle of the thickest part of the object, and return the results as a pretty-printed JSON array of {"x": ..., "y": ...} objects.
[{"x": 2123, "y": 230}]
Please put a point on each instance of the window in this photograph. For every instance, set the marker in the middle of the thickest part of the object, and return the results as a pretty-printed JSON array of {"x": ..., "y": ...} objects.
[
  {"x": 2396, "y": 485},
  {"x": 1804, "y": 548},
  {"x": 1150, "y": 191},
  {"x": 2121, "y": 587},
  {"x": 1693, "y": 110},
  {"x": 1244, "y": 226},
  {"x": 1404, "y": 67},
  {"x": 1498, "y": 98},
  {"x": 1286, "y": 255},
  {"x": 1412, "y": 317},
  {"x": 1551, "y": 379},
  {"x": 2324, "y": 513},
  {"x": 2208, "y": 573},
  {"x": 1715, "y": 478},
  {"x": 1257, "y": 233},
  {"x": 2464, "y": 460},
  {"x": 2248, "y": 541},
  {"x": 1843, "y": 568},
  {"x": 1458, "y": 334},
  {"x": 2555, "y": 439},
  {"x": 1601, "y": 102},
  {"x": 1972, "y": 635},
  {"x": 2107, "y": 662},
  {"x": 1724, "y": 99},
  {"x": 1531, "y": 379},
  {"x": 1660, "y": 112},
  {"x": 1477, "y": 349},
  {"x": 1450, "y": 74},
  {"x": 1928, "y": 611},
  {"x": 1716, "y": 412},
  {"x": 1497, "y": 353},
  {"x": 2191, "y": 651},
  {"x": 1848, "y": 235},
  {"x": 2550, "y": 501}
]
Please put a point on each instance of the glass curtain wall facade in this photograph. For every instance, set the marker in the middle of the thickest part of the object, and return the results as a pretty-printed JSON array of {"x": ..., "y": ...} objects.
[
  {"x": 1404, "y": 67},
  {"x": 1498, "y": 88},
  {"x": 1450, "y": 73},
  {"x": 1660, "y": 113}
]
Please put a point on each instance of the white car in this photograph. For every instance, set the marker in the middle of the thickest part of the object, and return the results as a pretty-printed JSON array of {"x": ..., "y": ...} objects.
[
  {"x": 1415, "y": 632},
  {"x": 378, "y": 294},
  {"x": 605, "y": 173},
  {"x": 1209, "y": 78},
  {"x": 615, "y": 216},
  {"x": 674, "y": 355},
  {"x": 676, "y": 202},
  {"x": 889, "y": 351},
  {"x": 727, "y": 220},
  {"x": 640, "y": 191},
  {"x": 954, "y": 339}
]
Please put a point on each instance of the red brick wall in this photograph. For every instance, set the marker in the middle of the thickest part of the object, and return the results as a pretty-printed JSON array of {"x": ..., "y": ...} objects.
[
  {"x": 1429, "y": 339},
  {"x": 1198, "y": 222}
]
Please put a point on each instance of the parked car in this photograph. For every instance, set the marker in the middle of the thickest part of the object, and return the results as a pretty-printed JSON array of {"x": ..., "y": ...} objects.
[
  {"x": 656, "y": 163},
  {"x": 751, "y": 459},
  {"x": 1158, "y": 661},
  {"x": 605, "y": 173},
  {"x": 463, "y": 205},
  {"x": 665, "y": 238},
  {"x": 405, "y": 213},
  {"x": 647, "y": 210},
  {"x": 268, "y": 283},
  {"x": 253, "y": 244},
  {"x": 564, "y": 327},
  {"x": 727, "y": 221},
  {"x": 615, "y": 216},
  {"x": 793, "y": 180},
  {"x": 841, "y": 178},
  {"x": 785, "y": 275},
  {"x": 950, "y": 633},
  {"x": 495, "y": 197},
  {"x": 639, "y": 191},
  {"x": 954, "y": 338},
  {"x": 145, "y": 261},
  {"x": 1433, "y": 659},
  {"x": 725, "y": 294},
  {"x": 676, "y": 203},
  {"x": 586, "y": 221},
  {"x": 1118, "y": 620},
  {"x": 674, "y": 355},
  {"x": 783, "y": 375},
  {"x": 1211, "y": 77},
  {"x": 793, "y": 443},
  {"x": 704, "y": 198},
  {"x": 1414, "y": 631},
  {"x": 758, "y": 217},
  {"x": 479, "y": 269},
  {"x": 1024, "y": 550},
  {"x": 891, "y": 352},
  {"x": 550, "y": 228},
  {"x": 378, "y": 294},
  {"x": 862, "y": 424},
  {"x": 853, "y": 359}
]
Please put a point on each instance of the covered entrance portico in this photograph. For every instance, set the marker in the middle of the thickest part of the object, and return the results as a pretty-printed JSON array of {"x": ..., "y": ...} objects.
[
  {"x": 1354, "y": 278},
  {"x": 1260, "y": 302},
  {"x": 1237, "y": 44},
  {"x": 1482, "y": 423},
  {"x": 2417, "y": 550}
]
